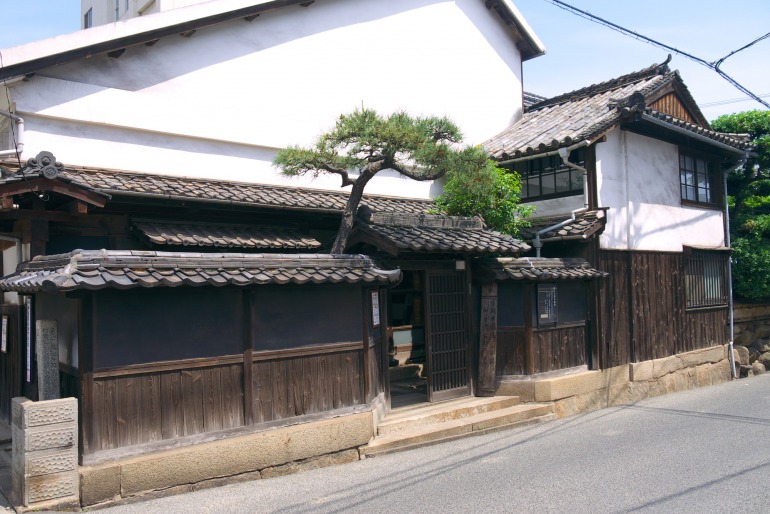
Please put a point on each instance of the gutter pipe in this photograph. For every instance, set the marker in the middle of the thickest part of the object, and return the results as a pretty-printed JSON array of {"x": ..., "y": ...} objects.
[
  {"x": 16, "y": 152},
  {"x": 537, "y": 243},
  {"x": 730, "y": 304}
]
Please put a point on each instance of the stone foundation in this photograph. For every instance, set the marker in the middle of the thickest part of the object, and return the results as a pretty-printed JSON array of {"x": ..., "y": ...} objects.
[
  {"x": 265, "y": 454},
  {"x": 593, "y": 390}
]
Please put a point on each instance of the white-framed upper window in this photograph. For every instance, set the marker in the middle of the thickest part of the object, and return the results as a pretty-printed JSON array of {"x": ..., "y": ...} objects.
[{"x": 88, "y": 19}]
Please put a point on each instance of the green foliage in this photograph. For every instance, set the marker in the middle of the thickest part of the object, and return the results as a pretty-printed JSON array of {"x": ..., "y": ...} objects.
[
  {"x": 492, "y": 193},
  {"x": 749, "y": 203},
  {"x": 419, "y": 147},
  {"x": 363, "y": 143},
  {"x": 750, "y": 272}
]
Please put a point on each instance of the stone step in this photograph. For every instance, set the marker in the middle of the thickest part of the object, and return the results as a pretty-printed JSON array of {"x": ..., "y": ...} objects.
[
  {"x": 422, "y": 435},
  {"x": 410, "y": 417}
]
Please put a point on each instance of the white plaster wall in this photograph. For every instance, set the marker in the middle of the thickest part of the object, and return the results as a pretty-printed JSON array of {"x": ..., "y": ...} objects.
[
  {"x": 557, "y": 206},
  {"x": 220, "y": 103},
  {"x": 639, "y": 182}
]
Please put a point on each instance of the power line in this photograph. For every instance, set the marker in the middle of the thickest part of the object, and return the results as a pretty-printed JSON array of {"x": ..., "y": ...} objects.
[
  {"x": 731, "y": 100},
  {"x": 714, "y": 66}
]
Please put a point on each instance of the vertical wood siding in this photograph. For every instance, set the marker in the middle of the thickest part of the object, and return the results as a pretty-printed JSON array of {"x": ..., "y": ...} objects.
[
  {"x": 142, "y": 407},
  {"x": 287, "y": 387},
  {"x": 559, "y": 348},
  {"x": 670, "y": 104},
  {"x": 511, "y": 351},
  {"x": 642, "y": 309}
]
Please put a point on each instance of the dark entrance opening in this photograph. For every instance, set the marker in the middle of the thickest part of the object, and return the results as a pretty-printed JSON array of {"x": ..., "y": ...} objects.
[
  {"x": 406, "y": 341},
  {"x": 428, "y": 337}
]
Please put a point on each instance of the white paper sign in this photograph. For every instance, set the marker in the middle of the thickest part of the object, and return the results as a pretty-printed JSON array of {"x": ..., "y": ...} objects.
[
  {"x": 376, "y": 308},
  {"x": 4, "y": 336}
]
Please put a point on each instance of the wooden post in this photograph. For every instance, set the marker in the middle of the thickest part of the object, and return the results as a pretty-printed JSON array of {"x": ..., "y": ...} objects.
[
  {"x": 248, "y": 361},
  {"x": 529, "y": 343},
  {"x": 367, "y": 315},
  {"x": 86, "y": 372},
  {"x": 488, "y": 340}
]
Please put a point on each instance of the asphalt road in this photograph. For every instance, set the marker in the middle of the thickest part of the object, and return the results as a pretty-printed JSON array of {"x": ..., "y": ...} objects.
[{"x": 704, "y": 450}]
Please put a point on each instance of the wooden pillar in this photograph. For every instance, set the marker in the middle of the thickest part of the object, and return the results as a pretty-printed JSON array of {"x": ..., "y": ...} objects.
[
  {"x": 367, "y": 320},
  {"x": 86, "y": 372},
  {"x": 529, "y": 343},
  {"x": 248, "y": 360},
  {"x": 488, "y": 340}
]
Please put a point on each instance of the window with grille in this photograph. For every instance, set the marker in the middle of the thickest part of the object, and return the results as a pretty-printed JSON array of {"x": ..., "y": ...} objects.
[{"x": 706, "y": 278}]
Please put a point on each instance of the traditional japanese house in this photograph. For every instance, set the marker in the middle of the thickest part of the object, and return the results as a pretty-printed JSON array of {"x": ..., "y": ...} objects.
[
  {"x": 431, "y": 312},
  {"x": 628, "y": 175}
]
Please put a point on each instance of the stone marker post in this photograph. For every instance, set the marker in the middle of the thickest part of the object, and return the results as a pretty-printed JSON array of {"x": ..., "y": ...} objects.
[
  {"x": 45, "y": 452},
  {"x": 47, "y": 345}
]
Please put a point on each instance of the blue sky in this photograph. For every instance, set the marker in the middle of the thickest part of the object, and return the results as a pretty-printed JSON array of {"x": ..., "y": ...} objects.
[{"x": 579, "y": 52}]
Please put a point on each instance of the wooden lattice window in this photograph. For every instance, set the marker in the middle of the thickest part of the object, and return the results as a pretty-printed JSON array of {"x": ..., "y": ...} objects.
[{"x": 706, "y": 278}]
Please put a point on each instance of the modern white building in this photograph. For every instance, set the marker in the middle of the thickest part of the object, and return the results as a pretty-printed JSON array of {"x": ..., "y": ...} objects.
[{"x": 101, "y": 12}]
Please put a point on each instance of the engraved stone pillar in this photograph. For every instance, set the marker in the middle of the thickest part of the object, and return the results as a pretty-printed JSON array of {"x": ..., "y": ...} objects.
[
  {"x": 488, "y": 340},
  {"x": 45, "y": 453},
  {"x": 47, "y": 347}
]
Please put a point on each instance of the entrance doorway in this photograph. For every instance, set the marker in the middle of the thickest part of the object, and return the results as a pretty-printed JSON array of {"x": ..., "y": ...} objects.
[{"x": 428, "y": 338}]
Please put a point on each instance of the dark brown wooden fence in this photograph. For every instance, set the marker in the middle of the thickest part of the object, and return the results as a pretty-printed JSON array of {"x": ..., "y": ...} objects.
[
  {"x": 642, "y": 311},
  {"x": 511, "y": 351},
  {"x": 163, "y": 401},
  {"x": 554, "y": 348},
  {"x": 289, "y": 383},
  {"x": 560, "y": 347}
]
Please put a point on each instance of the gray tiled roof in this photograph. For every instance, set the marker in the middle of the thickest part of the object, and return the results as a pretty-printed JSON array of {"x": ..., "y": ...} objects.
[
  {"x": 125, "y": 183},
  {"x": 541, "y": 269},
  {"x": 587, "y": 114},
  {"x": 121, "y": 269},
  {"x": 224, "y": 236},
  {"x": 585, "y": 225},
  {"x": 434, "y": 233}
]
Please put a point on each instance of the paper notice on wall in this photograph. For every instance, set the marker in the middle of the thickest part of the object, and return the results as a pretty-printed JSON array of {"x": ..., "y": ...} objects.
[
  {"x": 4, "y": 336},
  {"x": 375, "y": 308}
]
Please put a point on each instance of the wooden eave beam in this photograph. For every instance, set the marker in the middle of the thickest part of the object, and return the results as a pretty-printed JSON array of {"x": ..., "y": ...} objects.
[
  {"x": 40, "y": 184},
  {"x": 33, "y": 65}
]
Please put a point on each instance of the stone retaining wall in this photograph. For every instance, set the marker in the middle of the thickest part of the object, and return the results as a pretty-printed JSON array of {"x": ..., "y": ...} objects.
[
  {"x": 265, "y": 454},
  {"x": 752, "y": 338},
  {"x": 592, "y": 390}
]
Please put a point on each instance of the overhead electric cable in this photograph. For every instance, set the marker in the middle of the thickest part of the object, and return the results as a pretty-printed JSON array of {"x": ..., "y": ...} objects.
[{"x": 711, "y": 65}]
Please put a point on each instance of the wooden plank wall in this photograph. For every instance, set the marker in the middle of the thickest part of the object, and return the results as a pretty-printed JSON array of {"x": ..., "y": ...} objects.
[
  {"x": 287, "y": 383},
  {"x": 642, "y": 309},
  {"x": 657, "y": 287},
  {"x": 670, "y": 104},
  {"x": 10, "y": 362},
  {"x": 147, "y": 404},
  {"x": 614, "y": 312},
  {"x": 511, "y": 351},
  {"x": 559, "y": 348},
  {"x": 705, "y": 328}
]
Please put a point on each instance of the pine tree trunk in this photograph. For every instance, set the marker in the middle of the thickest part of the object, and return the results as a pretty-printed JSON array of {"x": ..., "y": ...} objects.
[{"x": 349, "y": 214}]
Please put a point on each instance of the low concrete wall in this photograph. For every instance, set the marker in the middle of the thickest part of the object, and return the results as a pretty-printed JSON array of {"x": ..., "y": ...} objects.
[
  {"x": 265, "y": 454},
  {"x": 592, "y": 390}
]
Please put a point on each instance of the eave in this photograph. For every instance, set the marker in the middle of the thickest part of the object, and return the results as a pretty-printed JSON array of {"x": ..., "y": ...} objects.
[{"x": 97, "y": 40}]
